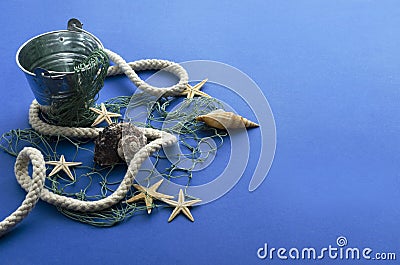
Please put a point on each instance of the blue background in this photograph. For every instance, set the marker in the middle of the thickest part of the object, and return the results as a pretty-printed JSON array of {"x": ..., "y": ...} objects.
[{"x": 330, "y": 71}]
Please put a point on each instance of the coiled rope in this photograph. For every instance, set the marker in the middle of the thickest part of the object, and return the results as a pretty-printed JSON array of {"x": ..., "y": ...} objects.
[{"x": 35, "y": 185}]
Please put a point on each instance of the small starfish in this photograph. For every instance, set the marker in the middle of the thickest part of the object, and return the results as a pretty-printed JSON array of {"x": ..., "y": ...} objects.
[
  {"x": 181, "y": 206},
  {"x": 63, "y": 165},
  {"x": 192, "y": 91},
  {"x": 148, "y": 194},
  {"x": 103, "y": 115}
]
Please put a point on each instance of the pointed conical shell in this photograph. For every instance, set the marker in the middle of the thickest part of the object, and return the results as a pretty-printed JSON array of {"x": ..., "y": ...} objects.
[{"x": 221, "y": 119}]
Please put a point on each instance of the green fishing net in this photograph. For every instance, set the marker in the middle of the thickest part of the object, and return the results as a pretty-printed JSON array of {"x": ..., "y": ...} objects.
[
  {"x": 73, "y": 110},
  {"x": 92, "y": 182}
]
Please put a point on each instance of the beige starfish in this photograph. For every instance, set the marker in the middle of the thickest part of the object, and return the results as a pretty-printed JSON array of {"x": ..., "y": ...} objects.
[
  {"x": 192, "y": 91},
  {"x": 63, "y": 165},
  {"x": 148, "y": 194},
  {"x": 181, "y": 206},
  {"x": 103, "y": 115}
]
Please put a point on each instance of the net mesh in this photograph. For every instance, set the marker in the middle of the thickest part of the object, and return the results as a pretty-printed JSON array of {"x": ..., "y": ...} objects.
[
  {"x": 85, "y": 85},
  {"x": 92, "y": 182}
]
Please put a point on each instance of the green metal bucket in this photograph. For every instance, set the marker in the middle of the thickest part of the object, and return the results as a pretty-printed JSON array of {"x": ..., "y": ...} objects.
[{"x": 54, "y": 63}]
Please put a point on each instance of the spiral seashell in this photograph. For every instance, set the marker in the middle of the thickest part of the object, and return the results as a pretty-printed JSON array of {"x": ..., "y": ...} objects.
[
  {"x": 221, "y": 119},
  {"x": 131, "y": 142},
  {"x": 118, "y": 141}
]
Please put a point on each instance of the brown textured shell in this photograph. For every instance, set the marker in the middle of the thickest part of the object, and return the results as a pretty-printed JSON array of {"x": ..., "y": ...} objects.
[
  {"x": 118, "y": 141},
  {"x": 221, "y": 119},
  {"x": 105, "y": 149}
]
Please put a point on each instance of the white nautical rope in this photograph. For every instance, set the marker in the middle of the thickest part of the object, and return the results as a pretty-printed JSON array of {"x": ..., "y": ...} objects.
[
  {"x": 23, "y": 178},
  {"x": 35, "y": 185},
  {"x": 53, "y": 130},
  {"x": 150, "y": 64},
  {"x": 34, "y": 190}
]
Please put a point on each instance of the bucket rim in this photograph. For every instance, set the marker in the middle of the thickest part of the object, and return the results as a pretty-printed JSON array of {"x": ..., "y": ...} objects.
[{"x": 47, "y": 33}]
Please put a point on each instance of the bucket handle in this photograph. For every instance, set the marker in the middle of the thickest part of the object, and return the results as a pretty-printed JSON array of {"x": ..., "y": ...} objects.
[{"x": 75, "y": 25}]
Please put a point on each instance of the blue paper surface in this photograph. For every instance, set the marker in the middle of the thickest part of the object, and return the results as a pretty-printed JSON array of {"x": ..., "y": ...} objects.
[{"x": 330, "y": 72}]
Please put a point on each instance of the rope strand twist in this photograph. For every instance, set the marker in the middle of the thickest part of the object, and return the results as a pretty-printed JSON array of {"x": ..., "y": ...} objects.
[{"x": 35, "y": 185}]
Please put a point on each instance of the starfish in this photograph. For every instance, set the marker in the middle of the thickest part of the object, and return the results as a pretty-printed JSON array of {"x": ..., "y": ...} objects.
[
  {"x": 192, "y": 91},
  {"x": 181, "y": 206},
  {"x": 148, "y": 194},
  {"x": 103, "y": 115},
  {"x": 63, "y": 165}
]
